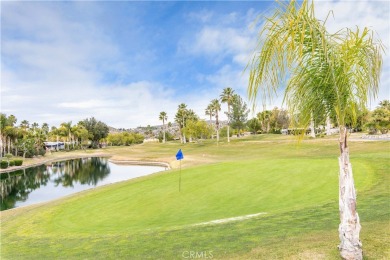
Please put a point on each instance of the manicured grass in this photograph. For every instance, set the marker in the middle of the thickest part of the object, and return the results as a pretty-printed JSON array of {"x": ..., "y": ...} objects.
[{"x": 297, "y": 187}]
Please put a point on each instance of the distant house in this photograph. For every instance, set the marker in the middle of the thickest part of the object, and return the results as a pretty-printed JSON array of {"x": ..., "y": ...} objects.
[{"x": 54, "y": 146}]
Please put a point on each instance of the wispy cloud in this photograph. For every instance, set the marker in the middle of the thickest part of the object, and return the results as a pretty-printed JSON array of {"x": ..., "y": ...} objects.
[
  {"x": 374, "y": 15},
  {"x": 123, "y": 62}
]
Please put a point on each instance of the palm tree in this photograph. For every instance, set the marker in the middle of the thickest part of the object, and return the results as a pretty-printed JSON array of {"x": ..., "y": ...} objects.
[
  {"x": 265, "y": 119},
  {"x": 193, "y": 117},
  {"x": 66, "y": 132},
  {"x": 330, "y": 74},
  {"x": 227, "y": 97},
  {"x": 163, "y": 116},
  {"x": 216, "y": 106},
  {"x": 45, "y": 128},
  {"x": 24, "y": 124},
  {"x": 34, "y": 126},
  {"x": 385, "y": 104},
  {"x": 209, "y": 112},
  {"x": 180, "y": 118}
]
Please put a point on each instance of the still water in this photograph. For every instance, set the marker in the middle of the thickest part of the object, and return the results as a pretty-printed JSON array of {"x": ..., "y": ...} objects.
[{"x": 51, "y": 181}]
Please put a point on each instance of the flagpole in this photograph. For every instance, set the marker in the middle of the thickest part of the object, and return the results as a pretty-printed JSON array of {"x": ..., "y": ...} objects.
[{"x": 179, "y": 156}]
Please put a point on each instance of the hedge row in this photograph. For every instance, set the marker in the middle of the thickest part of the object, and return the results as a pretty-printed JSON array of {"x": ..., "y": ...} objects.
[{"x": 5, "y": 164}]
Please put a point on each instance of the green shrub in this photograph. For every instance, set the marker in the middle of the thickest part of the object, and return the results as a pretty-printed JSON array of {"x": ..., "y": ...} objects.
[
  {"x": 3, "y": 164},
  {"x": 41, "y": 151},
  {"x": 11, "y": 163},
  {"x": 18, "y": 162}
]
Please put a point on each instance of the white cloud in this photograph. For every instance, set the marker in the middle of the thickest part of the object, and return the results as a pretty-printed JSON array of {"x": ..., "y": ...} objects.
[
  {"x": 202, "y": 16},
  {"x": 53, "y": 73},
  {"x": 218, "y": 42},
  {"x": 221, "y": 42},
  {"x": 230, "y": 35},
  {"x": 374, "y": 15},
  {"x": 54, "y": 62}
]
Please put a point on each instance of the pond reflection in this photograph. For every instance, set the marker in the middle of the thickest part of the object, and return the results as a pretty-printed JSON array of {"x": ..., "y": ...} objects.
[{"x": 54, "y": 180}]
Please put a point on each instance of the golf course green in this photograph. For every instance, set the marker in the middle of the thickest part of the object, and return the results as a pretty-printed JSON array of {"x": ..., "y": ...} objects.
[{"x": 294, "y": 187}]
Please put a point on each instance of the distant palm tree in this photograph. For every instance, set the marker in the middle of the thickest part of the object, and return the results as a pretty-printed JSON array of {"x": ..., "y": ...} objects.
[
  {"x": 45, "y": 128},
  {"x": 180, "y": 118},
  {"x": 66, "y": 132},
  {"x": 385, "y": 104},
  {"x": 24, "y": 124},
  {"x": 330, "y": 74},
  {"x": 216, "y": 107},
  {"x": 191, "y": 115},
  {"x": 163, "y": 116},
  {"x": 34, "y": 126},
  {"x": 209, "y": 112},
  {"x": 227, "y": 97},
  {"x": 265, "y": 119}
]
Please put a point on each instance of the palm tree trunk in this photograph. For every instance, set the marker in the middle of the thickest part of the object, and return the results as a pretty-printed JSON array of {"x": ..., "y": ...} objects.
[
  {"x": 350, "y": 246},
  {"x": 212, "y": 136},
  {"x": 181, "y": 136},
  {"x": 8, "y": 144},
  {"x": 163, "y": 132},
  {"x": 1, "y": 146},
  {"x": 228, "y": 126},
  {"x": 312, "y": 131},
  {"x": 184, "y": 135},
  {"x": 24, "y": 151},
  {"x": 16, "y": 148},
  {"x": 328, "y": 125},
  {"x": 217, "y": 126}
]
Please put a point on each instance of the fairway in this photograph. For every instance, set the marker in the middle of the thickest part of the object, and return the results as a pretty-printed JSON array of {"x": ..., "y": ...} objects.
[{"x": 294, "y": 186}]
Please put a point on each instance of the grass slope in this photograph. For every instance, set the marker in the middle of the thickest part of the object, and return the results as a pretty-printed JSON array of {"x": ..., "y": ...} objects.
[{"x": 149, "y": 218}]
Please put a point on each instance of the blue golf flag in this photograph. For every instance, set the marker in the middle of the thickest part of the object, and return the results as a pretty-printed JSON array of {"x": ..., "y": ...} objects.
[{"x": 179, "y": 155}]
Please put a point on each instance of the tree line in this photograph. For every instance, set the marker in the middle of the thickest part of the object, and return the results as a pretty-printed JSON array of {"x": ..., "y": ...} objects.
[
  {"x": 267, "y": 121},
  {"x": 28, "y": 140},
  {"x": 192, "y": 127}
]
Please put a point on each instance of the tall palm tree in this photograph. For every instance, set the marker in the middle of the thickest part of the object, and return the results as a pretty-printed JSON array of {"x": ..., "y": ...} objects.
[
  {"x": 227, "y": 97},
  {"x": 180, "y": 118},
  {"x": 209, "y": 112},
  {"x": 216, "y": 107},
  {"x": 163, "y": 116},
  {"x": 45, "y": 128},
  {"x": 330, "y": 73},
  {"x": 34, "y": 126},
  {"x": 7, "y": 132},
  {"x": 192, "y": 117},
  {"x": 67, "y": 132}
]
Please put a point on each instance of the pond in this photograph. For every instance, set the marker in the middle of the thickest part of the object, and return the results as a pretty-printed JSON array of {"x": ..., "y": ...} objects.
[{"x": 55, "y": 180}]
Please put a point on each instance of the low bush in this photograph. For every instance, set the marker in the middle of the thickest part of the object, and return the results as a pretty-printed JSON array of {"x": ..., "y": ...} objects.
[
  {"x": 11, "y": 163},
  {"x": 41, "y": 151},
  {"x": 18, "y": 162},
  {"x": 3, "y": 164}
]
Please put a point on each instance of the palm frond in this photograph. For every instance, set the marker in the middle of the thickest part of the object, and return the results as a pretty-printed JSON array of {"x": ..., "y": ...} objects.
[{"x": 330, "y": 73}]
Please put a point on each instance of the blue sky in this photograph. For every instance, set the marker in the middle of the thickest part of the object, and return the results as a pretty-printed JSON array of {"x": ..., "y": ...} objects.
[{"x": 124, "y": 62}]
